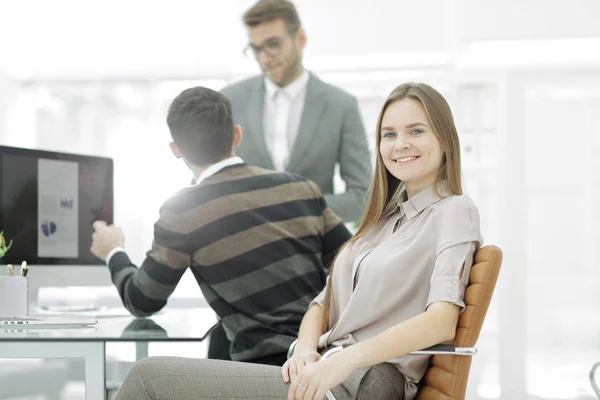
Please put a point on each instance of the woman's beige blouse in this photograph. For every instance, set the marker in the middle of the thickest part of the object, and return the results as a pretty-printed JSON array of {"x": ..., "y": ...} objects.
[{"x": 409, "y": 260}]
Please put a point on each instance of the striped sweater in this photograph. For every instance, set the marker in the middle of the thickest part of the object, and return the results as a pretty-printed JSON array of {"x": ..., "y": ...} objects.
[{"x": 258, "y": 243}]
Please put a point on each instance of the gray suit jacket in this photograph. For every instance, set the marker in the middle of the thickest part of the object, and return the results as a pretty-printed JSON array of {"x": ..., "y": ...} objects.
[{"x": 331, "y": 131}]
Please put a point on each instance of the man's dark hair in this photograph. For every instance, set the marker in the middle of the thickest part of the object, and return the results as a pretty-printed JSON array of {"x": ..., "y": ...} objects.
[
  {"x": 201, "y": 124},
  {"x": 267, "y": 10}
]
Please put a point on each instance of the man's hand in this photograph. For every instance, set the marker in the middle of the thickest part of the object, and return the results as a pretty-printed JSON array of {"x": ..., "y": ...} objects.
[{"x": 105, "y": 238}]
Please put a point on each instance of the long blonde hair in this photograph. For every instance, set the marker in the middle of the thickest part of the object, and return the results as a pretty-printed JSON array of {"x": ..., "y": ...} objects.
[{"x": 385, "y": 187}]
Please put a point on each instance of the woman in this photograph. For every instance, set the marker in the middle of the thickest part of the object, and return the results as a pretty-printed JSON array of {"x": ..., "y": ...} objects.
[{"x": 397, "y": 286}]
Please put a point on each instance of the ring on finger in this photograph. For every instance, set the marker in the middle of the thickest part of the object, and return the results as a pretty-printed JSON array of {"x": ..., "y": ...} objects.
[{"x": 301, "y": 387}]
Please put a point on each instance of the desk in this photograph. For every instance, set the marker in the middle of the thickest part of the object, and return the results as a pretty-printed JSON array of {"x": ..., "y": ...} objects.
[{"x": 89, "y": 343}]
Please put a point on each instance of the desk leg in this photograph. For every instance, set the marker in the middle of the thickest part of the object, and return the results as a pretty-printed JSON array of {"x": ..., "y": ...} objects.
[
  {"x": 95, "y": 371},
  {"x": 92, "y": 352},
  {"x": 141, "y": 350}
]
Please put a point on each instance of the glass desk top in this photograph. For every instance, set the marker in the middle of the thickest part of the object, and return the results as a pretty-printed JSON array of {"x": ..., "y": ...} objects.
[{"x": 171, "y": 324}]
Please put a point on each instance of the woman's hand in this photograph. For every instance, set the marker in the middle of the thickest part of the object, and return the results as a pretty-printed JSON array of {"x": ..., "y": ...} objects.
[
  {"x": 314, "y": 380},
  {"x": 295, "y": 364}
]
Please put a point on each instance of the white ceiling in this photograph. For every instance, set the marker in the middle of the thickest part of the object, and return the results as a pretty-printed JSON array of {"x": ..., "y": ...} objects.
[{"x": 121, "y": 39}]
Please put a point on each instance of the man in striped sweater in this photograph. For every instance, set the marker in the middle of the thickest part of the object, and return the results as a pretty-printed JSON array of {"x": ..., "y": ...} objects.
[{"x": 257, "y": 241}]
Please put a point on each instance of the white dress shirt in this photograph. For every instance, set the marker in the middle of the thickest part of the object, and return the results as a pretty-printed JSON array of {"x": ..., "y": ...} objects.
[
  {"x": 213, "y": 169},
  {"x": 419, "y": 255},
  {"x": 281, "y": 117},
  {"x": 208, "y": 172}
]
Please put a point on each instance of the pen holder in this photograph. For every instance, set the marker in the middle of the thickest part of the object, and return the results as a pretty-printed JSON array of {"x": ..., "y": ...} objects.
[{"x": 13, "y": 296}]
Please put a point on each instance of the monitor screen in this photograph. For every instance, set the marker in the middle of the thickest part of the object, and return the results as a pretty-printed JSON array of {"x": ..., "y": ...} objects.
[{"x": 48, "y": 202}]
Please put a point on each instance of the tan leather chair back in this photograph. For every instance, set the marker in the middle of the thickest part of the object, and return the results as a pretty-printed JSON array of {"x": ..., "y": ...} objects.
[{"x": 446, "y": 377}]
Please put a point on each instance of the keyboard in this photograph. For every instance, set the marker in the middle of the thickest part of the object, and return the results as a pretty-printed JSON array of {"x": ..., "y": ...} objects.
[{"x": 16, "y": 320}]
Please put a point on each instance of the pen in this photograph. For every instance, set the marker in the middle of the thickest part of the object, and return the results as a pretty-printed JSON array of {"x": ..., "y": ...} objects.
[
  {"x": 24, "y": 268},
  {"x": 11, "y": 270}
]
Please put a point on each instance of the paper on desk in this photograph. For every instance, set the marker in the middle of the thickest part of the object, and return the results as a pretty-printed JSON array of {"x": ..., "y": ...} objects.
[
  {"x": 98, "y": 312},
  {"x": 89, "y": 301},
  {"x": 101, "y": 301},
  {"x": 85, "y": 297}
]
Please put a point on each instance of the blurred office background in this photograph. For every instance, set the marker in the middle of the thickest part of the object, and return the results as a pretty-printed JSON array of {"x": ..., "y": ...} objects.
[{"x": 523, "y": 80}]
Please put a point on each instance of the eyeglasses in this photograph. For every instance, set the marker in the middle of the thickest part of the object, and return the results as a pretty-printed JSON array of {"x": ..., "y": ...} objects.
[{"x": 271, "y": 48}]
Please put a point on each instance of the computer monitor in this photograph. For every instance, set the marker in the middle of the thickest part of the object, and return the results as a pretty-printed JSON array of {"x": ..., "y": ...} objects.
[{"x": 48, "y": 202}]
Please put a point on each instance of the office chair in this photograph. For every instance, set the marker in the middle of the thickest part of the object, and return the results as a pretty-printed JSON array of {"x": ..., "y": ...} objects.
[
  {"x": 593, "y": 379},
  {"x": 447, "y": 375},
  {"x": 448, "y": 371}
]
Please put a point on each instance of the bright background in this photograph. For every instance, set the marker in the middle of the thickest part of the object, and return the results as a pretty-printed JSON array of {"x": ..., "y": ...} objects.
[{"x": 522, "y": 78}]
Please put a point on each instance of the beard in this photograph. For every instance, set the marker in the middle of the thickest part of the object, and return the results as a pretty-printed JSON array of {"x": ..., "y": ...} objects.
[{"x": 291, "y": 65}]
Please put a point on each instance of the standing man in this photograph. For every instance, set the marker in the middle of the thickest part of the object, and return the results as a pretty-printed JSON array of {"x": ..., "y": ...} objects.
[{"x": 292, "y": 120}]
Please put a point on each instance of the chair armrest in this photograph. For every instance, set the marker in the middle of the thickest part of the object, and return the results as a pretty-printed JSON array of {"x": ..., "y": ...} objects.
[
  {"x": 291, "y": 349},
  {"x": 448, "y": 349},
  {"x": 593, "y": 379}
]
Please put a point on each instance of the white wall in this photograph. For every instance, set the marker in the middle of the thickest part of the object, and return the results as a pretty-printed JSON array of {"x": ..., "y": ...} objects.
[
  {"x": 103, "y": 39},
  {"x": 528, "y": 19}
]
